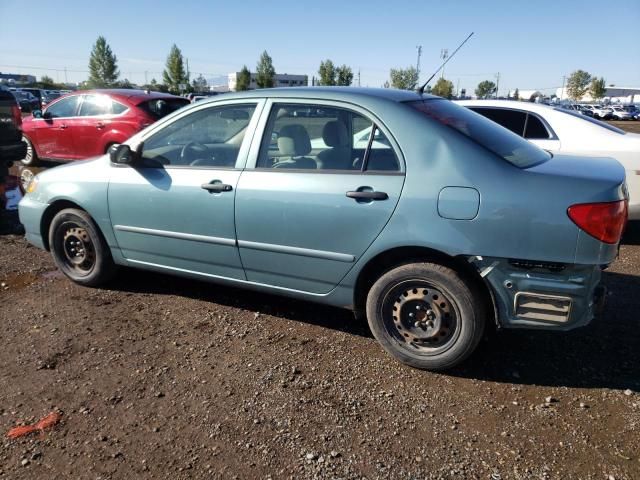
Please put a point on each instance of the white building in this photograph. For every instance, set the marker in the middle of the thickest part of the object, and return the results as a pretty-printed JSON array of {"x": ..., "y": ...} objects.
[
  {"x": 281, "y": 80},
  {"x": 612, "y": 95}
]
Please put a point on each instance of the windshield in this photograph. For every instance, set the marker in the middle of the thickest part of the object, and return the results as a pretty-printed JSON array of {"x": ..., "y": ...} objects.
[
  {"x": 592, "y": 120},
  {"x": 484, "y": 132}
]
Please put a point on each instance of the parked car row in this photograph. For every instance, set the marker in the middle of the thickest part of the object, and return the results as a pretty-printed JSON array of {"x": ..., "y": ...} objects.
[
  {"x": 429, "y": 218},
  {"x": 606, "y": 112},
  {"x": 41, "y": 95}
]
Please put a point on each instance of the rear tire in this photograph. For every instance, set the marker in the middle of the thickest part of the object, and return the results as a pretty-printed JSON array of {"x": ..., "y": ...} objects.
[
  {"x": 79, "y": 250},
  {"x": 31, "y": 158},
  {"x": 426, "y": 315}
]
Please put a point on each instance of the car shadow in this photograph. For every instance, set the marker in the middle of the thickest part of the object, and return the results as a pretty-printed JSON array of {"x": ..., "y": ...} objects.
[
  {"x": 140, "y": 281},
  {"x": 605, "y": 354},
  {"x": 632, "y": 234}
]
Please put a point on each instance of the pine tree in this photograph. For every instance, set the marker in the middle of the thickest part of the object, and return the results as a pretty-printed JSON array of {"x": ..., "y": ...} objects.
[
  {"x": 265, "y": 73},
  {"x": 103, "y": 67},
  {"x": 243, "y": 82},
  {"x": 175, "y": 74}
]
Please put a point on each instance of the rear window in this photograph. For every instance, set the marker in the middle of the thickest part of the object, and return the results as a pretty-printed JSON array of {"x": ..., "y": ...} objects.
[
  {"x": 484, "y": 132},
  {"x": 161, "y": 107}
]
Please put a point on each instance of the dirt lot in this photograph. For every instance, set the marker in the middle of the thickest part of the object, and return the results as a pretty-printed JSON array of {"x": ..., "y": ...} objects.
[{"x": 160, "y": 377}]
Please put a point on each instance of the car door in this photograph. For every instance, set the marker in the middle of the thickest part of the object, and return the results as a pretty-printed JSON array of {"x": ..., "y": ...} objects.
[
  {"x": 311, "y": 200},
  {"x": 94, "y": 116},
  {"x": 52, "y": 132},
  {"x": 174, "y": 208}
]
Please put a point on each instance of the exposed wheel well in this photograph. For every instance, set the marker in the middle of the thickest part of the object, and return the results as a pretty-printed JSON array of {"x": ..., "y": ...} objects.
[
  {"x": 109, "y": 145},
  {"x": 385, "y": 261},
  {"x": 51, "y": 212}
]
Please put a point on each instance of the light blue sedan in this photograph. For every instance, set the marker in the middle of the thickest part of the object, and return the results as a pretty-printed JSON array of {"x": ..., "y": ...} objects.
[{"x": 447, "y": 225}]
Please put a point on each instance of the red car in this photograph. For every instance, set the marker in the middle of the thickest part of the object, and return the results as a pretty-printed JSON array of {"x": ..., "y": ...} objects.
[{"x": 86, "y": 123}]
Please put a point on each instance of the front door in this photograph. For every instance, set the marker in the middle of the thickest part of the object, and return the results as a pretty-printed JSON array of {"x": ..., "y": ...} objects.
[
  {"x": 175, "y": 208},
  {"x": 54, "y": 133},
  {"x": 314, "y": 195}
]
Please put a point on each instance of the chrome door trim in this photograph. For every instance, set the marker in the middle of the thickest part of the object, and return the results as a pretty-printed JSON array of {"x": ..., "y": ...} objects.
[
  {"x": 178, "y": 235},
  {"x": 303, "y": 252}
]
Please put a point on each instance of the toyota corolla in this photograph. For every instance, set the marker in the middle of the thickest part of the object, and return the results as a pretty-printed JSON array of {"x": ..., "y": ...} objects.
[{"x": 437, "y": 225}]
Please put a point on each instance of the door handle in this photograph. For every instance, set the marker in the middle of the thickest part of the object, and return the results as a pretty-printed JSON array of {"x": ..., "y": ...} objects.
[
  {"x": 217, "y": 187},
  {"x": 62, "y": 126},
  {"x": 99, "y": 125},
  {"x": 368, "y": 195}
]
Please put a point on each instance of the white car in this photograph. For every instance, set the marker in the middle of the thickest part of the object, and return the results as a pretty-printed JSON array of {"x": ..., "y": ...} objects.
[
  {"x": 560, "y": 130},
  {"x": 619, "y": 113}
]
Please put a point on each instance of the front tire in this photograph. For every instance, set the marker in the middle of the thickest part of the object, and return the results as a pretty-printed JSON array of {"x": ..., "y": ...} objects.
[
  {"x": 31, "y": 158},
  {"x": 426, "y": 315},
  {"x": 79, "y": 250}
]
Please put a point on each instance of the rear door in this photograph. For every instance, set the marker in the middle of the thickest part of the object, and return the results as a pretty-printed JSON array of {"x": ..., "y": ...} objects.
[
  {"x": 96, "y": 115},
  {"x": 314, "y": 196},
  {"x": 53, "y": 133}
]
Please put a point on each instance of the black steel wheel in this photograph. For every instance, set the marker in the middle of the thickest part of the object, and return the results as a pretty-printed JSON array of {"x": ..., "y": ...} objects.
[
  {"x": 426, "y": 315},
  {"x": 79, "y": 249}
]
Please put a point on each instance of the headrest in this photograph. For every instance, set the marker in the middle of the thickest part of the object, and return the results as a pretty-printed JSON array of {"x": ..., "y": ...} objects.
[
  {"x": 293, "y": 141},
  {"x": 335, "y": 134}
]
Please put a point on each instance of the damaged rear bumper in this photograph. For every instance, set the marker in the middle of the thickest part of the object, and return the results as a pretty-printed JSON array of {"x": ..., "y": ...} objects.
[{"x": 542, "y": 295}]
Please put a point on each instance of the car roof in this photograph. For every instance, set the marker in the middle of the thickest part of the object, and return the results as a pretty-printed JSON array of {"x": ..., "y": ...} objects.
[
  {"x": 329, "y": 93},
  {"x": 132, "y": 95}
]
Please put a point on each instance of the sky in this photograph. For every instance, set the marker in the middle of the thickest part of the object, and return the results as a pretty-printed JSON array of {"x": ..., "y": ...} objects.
[{"x": 531, "y": 45}]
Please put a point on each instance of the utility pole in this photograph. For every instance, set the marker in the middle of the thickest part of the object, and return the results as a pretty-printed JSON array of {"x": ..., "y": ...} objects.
[
  {"x": 562, "y": 90},
  {"x": 146, "y": 82},
  {"x": 419, "y": 47},
  {"x": 358, "y": 77},
  {"x": 444, "y": 54},
  {"x": 497, "y": 83},
  {"x": 65, "y": 75},
  {"x": 457, "y": 87}
]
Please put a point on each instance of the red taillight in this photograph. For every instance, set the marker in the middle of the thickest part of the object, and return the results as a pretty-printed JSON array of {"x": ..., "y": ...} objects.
[
  {"x": 604, "y": 221},
  {"x": 17, "y": 115}
]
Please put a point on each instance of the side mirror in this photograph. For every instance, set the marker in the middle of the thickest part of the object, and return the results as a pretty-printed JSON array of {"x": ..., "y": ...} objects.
[
  {"x": 47, "y": 115},
  {"x": 37, "y": 114},
  {"x": 122, "y": 154}
]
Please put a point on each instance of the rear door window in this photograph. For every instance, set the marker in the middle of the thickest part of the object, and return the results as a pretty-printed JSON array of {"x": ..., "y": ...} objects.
[
  {"x": 161, "y": 107},
  {"x": 95, "y": 105},
  {"x": 514, "y": 120}
]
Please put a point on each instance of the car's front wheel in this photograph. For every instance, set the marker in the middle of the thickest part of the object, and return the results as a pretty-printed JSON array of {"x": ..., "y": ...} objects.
[
  {"x": 79, "y": 249},
  {"x": 31, "y": 158},
  {"x": 426, "y": 315}
]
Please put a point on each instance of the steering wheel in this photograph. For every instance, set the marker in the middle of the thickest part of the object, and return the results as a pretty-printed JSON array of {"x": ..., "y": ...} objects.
[{"x": 193, "y": 151}]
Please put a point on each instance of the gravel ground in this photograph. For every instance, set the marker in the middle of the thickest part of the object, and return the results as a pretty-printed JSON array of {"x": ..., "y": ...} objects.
[{"x": 161, "y": 377}]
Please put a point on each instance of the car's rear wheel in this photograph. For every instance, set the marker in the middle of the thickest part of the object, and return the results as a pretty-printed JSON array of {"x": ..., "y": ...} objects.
[
  {"x": 426, "y": 315},
  {"x": 31, "y": 158},
  {"x": 79, "y": 249}
]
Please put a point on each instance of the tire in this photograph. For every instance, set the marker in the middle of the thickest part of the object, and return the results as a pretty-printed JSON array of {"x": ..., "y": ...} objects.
[
  {"x": 449, "y": 310},
  {"x": 31, "y": 158},
  {"x": 79, "y": 249}
]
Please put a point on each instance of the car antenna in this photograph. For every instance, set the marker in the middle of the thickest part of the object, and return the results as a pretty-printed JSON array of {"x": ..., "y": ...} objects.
[{"x": 421, "y": 89}]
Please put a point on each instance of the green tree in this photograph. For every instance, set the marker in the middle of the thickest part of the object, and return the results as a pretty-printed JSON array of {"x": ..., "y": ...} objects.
[
  {"x": 404, "y": 78},
  {"x": 200, "y": 84},
  {"x": 243, "y": 82},
  {"x": 443, "y": 88},
  {"x": 598, "y": 88},
  {"x": 265, "y": 73},
  {"x": 47, "y": 82},
  {"x": 516, "y": 94},
  {"x": 485, "y": 89},
  {"x": 103, "y": 65},
  {"x": 327, "y": 72},
  {"x": 344, "y": 76},
  {"x": 578, "y": 84},
  {"x": 175, "y": 75}
]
